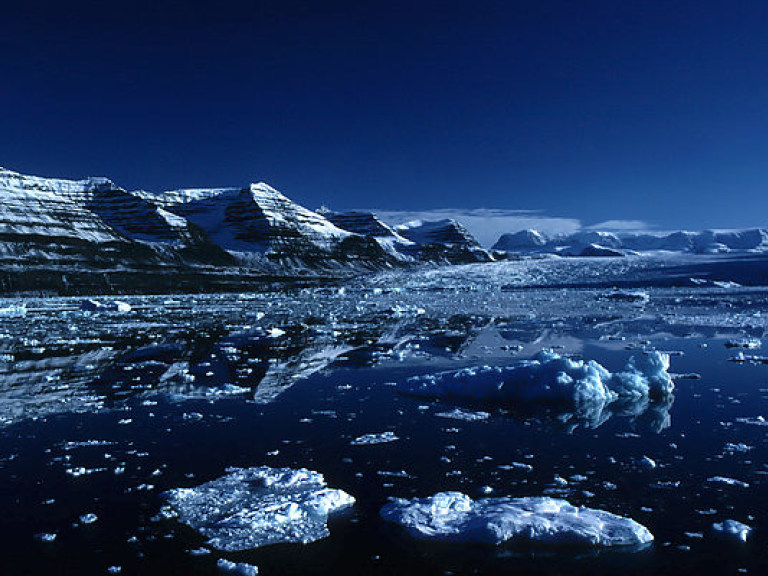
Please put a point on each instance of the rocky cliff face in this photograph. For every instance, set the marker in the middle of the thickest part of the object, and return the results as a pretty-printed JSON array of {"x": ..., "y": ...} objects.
[{"x": 53, "y": 232}]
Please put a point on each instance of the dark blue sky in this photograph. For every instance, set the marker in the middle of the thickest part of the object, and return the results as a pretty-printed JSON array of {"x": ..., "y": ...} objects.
[{"x": 647, "y": 110}]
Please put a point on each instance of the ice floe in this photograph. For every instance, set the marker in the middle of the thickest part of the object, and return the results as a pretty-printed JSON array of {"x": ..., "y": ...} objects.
[
  {"x": 455, "y": 517},
  {"x": 380, "y": 438},
  {"x": 91, "y": 305},
  {"x": 550, "y": 377},
  {"x": 238, "y": 568},
  {"x": 466, "y": 415},
  {"x": 728, "y": 481},
  {"x": 253, "y": 507}
]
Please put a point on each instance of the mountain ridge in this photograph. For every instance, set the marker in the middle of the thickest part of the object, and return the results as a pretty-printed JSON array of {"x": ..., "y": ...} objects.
[{"x": 94, "y": 226}]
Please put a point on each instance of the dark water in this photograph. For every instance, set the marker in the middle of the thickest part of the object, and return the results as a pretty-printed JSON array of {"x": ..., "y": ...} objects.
[{"x": 159, "y": 437}]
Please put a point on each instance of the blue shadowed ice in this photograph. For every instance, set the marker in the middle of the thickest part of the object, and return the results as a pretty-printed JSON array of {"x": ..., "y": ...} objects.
[{"x": 549, "y": 377}]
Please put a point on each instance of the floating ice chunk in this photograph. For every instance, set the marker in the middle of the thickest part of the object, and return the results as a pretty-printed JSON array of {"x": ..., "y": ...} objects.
[
  {"x": 742, "y": 358},
  {"x": 252, "y": 507},
  {"x": 729, "y": 481},
  {"x": 647, "y": 463},
  {"x": 731, "y": 448},
  {"x": 82, "y": 471},
  {"x": 516, "y": 466},
  {"x": 89, "y": 518},
  {"x": 747, "y": 343},
  {"x": 733, "y": 528},
  {"x": 455, "y": 517},
  {"x": 46, "y": 536},
  {"x": 466, "y": 415},
  {"x": 239, "y": 568},
  {"x": 381, "y": 438},
  {"x": 550, "y": 377},
  {"x": 754, "y": 421},
  {"x": 91, "y": 305}
]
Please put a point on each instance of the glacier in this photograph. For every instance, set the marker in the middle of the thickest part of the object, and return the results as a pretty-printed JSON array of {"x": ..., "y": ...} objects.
[
  {"x": 602, "y": 243},
  {"x": 455, "y": 517}
]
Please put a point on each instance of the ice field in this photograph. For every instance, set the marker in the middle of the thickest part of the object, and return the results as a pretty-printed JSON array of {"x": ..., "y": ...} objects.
[{"x": 476, "y": 419}]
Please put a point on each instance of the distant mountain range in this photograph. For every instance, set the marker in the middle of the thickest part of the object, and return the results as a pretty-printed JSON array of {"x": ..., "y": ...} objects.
[
  {"x": 596, "y": 243},
  {"x": 90, "y": 234}
]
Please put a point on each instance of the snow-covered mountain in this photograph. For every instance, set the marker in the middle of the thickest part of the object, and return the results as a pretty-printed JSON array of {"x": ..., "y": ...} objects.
[
  {"x": 597, "y": 243},
  {"x": 444, "y": 240},
  {"x": 52, "y": 230}
]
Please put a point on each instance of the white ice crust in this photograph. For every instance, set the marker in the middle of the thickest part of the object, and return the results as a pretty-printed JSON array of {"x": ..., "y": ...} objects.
[
  {"x": 455, "y": 517},
  {"x": 253, "y": 507},
  {"x": 237, "y": 568},
  {"x": 733, "y": 529},
  {"x": 550, "y": 377}
]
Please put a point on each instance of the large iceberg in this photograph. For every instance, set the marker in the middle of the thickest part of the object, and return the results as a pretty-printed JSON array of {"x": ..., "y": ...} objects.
[
  {"x": 253, "y": 507},
  {"x": 549, "y": 377},
  {"x": 455, "y": 517}
]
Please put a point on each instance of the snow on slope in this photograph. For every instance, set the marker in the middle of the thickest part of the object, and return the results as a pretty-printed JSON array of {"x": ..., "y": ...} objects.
[
  {"x": 368, "y": 224},
  {"x": 444, "y": 239},
  {"x": 52, "y": 208},
  {"x": 437, "y": 231},
  {"x": 257, "y": 218}
]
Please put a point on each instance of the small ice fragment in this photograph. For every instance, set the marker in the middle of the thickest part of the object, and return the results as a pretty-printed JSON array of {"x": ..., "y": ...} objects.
[
  {"x": 252, "y": 507},
  {"x": 82, "y": 471},
  {"x": 733, "y": 528},
  {"x": 89, "y": 518},
  {"x": 732, "y": 448},
  {"x": 91, "y": 305},
  {"x": 516, "y": 466},
  {"x": 647, "y": 463},
  {"x": 742, "y": 358},
  {"x": 239, "y": 568},
  {"x": 115, "y": 570},
  {"x": 746, "y": 343},
  {"x": 455, "y": 517},
  {"x": 729, "y": 481},
  {"x": 46, "y": 536},
  {"x": 466, "y": 415},
  {"x": 755, "y": 421},
  {"x": 368, "y": 439}
]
